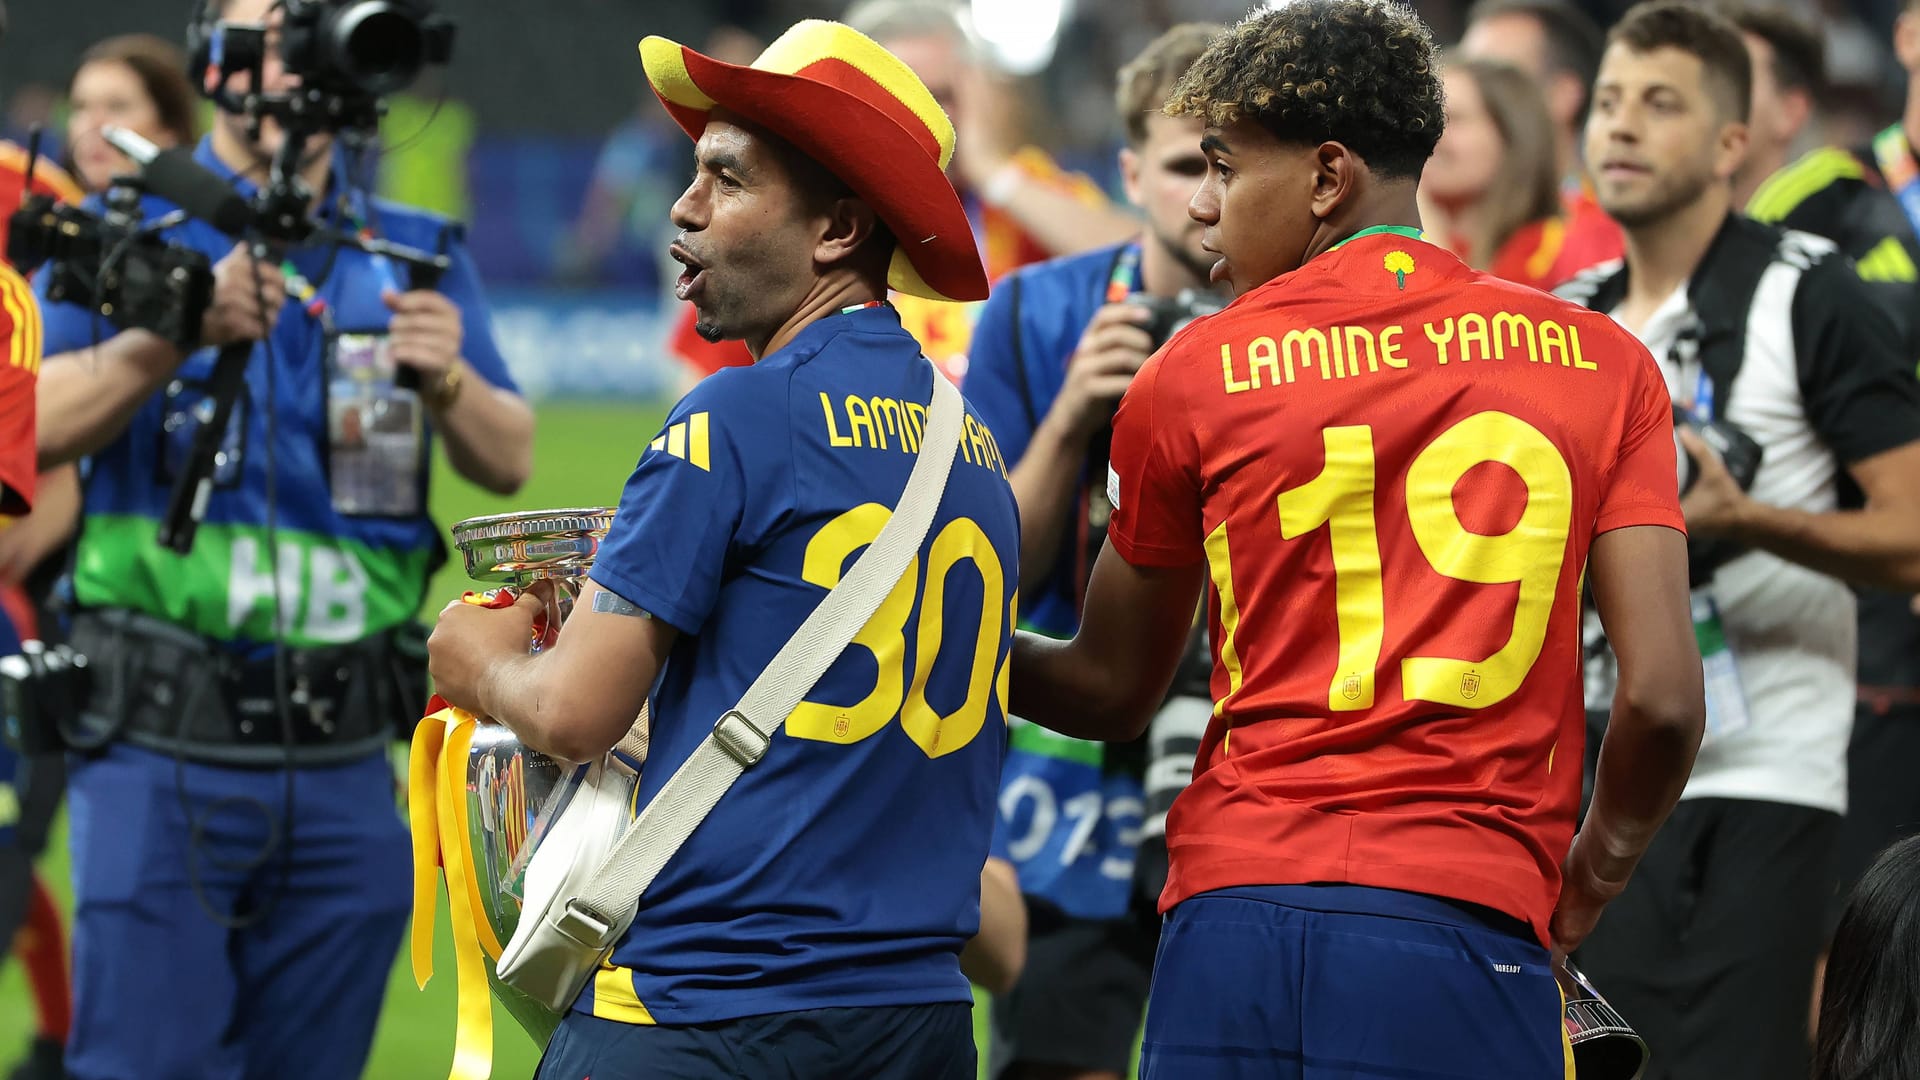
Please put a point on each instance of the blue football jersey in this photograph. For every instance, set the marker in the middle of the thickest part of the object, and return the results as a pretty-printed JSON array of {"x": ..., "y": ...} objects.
[{"x": 842, "y": 870}]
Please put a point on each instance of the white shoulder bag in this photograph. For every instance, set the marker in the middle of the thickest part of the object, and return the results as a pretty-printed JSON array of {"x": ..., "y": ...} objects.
[{"x": 585, "y": 880}]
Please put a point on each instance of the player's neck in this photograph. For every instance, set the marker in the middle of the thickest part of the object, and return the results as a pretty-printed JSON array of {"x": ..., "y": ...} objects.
[
  {"x": 1910, "y": 119},
  {"x": 833, "y": 291},
  {"x": 1662, "y": 255},
  {"x": 1389, "y": 203}
]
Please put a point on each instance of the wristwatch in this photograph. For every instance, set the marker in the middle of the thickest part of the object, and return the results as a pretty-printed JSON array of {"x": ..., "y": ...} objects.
[{"x": 446, "y": 388}]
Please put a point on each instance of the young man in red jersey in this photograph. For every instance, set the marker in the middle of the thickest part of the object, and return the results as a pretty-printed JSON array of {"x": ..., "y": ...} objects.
[{"x": 1393, "y": 470}]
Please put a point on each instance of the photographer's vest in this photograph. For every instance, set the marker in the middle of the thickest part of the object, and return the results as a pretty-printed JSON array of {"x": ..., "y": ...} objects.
[{"x": 341, "y": 576}]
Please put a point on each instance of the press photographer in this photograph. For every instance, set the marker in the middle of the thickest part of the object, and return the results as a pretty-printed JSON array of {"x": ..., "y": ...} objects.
[{"x": 232, "y": 818}]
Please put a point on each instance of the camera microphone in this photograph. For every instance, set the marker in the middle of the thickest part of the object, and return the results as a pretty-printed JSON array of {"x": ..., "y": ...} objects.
[{"x": 174, "y": 175}]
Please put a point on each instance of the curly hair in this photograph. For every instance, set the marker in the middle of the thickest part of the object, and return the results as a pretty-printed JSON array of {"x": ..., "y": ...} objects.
[{"x": 1364, "y": 73}]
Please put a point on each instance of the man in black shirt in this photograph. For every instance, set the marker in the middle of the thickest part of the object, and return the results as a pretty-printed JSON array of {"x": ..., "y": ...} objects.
[{"x": 1867, "y": 201}]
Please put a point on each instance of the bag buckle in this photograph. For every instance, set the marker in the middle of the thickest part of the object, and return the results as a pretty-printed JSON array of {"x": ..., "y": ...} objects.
[
  {"x": 582, "y": 925},
  {"x": 742, "y": 741}
]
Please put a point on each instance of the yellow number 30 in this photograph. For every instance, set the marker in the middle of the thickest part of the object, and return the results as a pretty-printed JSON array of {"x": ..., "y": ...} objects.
[
  {"x": 885, "y": 637},
  {"x": 1531, "y": 553}
]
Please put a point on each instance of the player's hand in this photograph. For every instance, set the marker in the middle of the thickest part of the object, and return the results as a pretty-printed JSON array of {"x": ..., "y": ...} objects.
[
  {"x": 469, "y": 639},
  {"x": 1111, "y": 350},
  {"x": 1715, "y": 505},
  {"x": 1584, "y": 892},
  {"x": 425, "y": 332},
  {"x": 247, "y": 296}
]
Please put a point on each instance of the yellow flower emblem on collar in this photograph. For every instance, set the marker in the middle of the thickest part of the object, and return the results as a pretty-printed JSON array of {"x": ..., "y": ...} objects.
[{"x": 1399, "y": 264}]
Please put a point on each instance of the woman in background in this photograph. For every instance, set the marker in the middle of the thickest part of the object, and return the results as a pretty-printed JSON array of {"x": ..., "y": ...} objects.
[
  {"x": 1491, "y": 191},
  {"x": 137, "y": 82},
  {"x": 1870, "y": 1009},
  {"x": 134, "y": 81}
]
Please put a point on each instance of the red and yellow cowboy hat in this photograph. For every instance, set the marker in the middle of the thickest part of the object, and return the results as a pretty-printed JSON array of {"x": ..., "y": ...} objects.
[{"x": 859, "y": 111}]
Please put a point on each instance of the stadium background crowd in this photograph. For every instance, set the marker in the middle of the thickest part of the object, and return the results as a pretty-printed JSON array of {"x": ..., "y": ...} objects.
[{"x": 543, "y": 137}]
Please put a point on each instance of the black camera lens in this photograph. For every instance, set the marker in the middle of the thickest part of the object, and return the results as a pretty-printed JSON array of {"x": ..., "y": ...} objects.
[{"x": 378, "y": 45}]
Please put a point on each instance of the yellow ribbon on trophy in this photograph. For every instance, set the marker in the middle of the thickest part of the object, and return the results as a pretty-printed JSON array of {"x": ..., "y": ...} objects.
[{"x": 437, "y": 815}]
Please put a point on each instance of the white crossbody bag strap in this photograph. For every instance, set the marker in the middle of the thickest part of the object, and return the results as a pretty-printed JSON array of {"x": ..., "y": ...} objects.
[{"x": 741, "y": 737}]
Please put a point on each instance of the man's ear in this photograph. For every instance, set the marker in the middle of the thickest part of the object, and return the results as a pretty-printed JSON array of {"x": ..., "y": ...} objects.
[
  {"x": 1130, "y": 174},
  {"x": 1730, "y": 150},
  {"x": 845, "y": 227},
  {"x": 1336, "y": 172}
]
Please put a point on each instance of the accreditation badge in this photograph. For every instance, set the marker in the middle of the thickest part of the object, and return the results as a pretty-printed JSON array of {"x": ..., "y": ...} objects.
[
  {"x": 1726, "y": 699},
  {"x": 376, "y": 430}
]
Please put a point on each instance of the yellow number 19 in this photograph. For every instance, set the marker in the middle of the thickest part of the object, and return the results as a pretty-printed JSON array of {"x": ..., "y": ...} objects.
[{"x": 1341, "y": 497}]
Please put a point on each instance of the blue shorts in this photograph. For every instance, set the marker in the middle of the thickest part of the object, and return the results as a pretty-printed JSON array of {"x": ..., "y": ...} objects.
[
  {"x": 1338, "y": 982},
  {"x": 900, "y": 1042}
]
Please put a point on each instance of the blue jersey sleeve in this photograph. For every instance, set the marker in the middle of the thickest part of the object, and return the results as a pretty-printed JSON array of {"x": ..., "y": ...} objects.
[
  {"x": 685, "y": 509},
  {"x": 997, "y": 383},
  {"x": 461, "y": 284}
]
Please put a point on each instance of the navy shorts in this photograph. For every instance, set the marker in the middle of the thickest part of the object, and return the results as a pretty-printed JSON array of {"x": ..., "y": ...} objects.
[
  {"x": 898, "y": 1042},
  {"x": 1337, "y": 982}
]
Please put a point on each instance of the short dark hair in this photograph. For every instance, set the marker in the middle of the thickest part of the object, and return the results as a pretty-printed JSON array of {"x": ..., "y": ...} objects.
[
  {"x": 1574, "y": 40},
  {"x": 1701, "y": 34},
  {"x": 1147, "y": 79},
  {"x": 1799, "y": 47},
  {"x": 1870, "y": 1007},
  {"x": 1364, "y": 73},
  {"x": 162, "y": 70}
]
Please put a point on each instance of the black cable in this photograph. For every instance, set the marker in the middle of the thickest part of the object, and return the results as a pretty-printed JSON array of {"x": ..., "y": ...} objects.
[{"x": 279, "y": 831}]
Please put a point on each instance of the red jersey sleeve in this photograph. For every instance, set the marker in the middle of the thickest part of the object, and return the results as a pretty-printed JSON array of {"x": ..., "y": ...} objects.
[
  {"x": 1153, "y": 474},
  {"x": 20, "y": 327},
  {"x": 1643, "y": 488}
]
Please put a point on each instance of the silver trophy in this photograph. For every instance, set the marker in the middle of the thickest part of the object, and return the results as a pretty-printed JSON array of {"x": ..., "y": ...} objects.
[
  {"x": 514, "y": 793},
  {"x": 1605, "y": 1046}
]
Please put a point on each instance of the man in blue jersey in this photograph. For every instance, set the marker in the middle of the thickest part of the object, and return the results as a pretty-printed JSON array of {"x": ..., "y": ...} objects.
[
  {"x": 239, "y": 868},
  {"x": 1056, "y": 346},
  {"x": 811, "y": 925}
]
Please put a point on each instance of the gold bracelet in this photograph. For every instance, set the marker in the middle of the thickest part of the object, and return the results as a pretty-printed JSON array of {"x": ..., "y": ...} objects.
[{"x": 446, "y": 388}]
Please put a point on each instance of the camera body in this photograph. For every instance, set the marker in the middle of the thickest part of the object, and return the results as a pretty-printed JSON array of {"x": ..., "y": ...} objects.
[
  {"x": 1171, "y": 314},
  {"x": 348, "y": 54},
  {"x": 1742, "y": 456},
  {"x": 114, "y": 264},
  {"x": 41, "y": 689}
]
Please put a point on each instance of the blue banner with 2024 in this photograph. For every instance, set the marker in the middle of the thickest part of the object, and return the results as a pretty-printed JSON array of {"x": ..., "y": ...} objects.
[{"x": 1070, "y": 827}]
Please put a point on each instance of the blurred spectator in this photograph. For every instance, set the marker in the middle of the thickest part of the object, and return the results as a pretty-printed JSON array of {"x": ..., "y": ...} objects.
[
  {"x": 1789, "y": 73},
  {"x": 1871, "y": 1009},
  {"x": 1491, "y": 190},
  {"x": 1866, "y": 199},
  {"x": 1559, "y": 45},
  {"x": 1711, "y": 949},
  {"x": 1023, "y": 207},
  {"x": 635, "y": 180},
  {"x": 1056, "y": 346},
  {"x": 424, "y": 142},
  {"x": 134, "y": 81}
]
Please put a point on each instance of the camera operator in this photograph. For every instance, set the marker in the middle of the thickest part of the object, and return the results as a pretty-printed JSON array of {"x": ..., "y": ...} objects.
[
  {"x": 239, "y": 868},
  {"x": 1055, "y": 348},
  {"x": 1777, "y": 354}
]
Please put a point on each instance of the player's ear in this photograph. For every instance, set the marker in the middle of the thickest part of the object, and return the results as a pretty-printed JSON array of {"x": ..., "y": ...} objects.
[
  {"x": 847, "y": 225},
  {"x": 1335, "y": 172}
]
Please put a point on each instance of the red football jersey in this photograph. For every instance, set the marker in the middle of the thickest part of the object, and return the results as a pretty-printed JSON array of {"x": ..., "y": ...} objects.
[
  {"x": 1393, "y": 467},
  {"x": 20, "y": 330}
]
